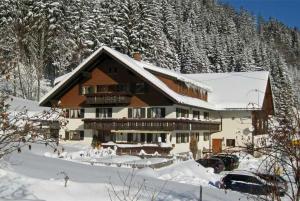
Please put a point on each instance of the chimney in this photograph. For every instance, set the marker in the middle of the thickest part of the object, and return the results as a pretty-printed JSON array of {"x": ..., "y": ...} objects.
[{"x": 137, "y": 56}]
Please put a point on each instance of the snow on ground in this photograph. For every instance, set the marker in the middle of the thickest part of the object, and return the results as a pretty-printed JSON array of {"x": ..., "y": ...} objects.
[
  {"x": 189, "y": 172},
  {"x": 106, "y": 156},
  {"x": 32, "y": 176}
]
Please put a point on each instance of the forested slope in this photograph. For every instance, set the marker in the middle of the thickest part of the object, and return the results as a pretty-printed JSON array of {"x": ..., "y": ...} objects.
[{"x": 42, "y": 39}]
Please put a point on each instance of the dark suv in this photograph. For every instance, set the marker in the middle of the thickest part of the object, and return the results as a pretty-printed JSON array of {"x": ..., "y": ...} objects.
[
  {"x": 230, "y": 161},
  {"x": 279, "y": 184},
  {"x": 215, "y": 163},
  {"x": 247, "y": 182}
]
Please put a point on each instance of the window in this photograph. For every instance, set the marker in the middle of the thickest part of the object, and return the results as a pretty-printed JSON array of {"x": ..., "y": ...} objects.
[
  {"x": 230, "y": 142},
  {"x": 87, "y": 90},
  {"x": 81, "y": 133},
  {"x": 149, "y": 137},
  {"x": 129, "y": 137},
  {"x": 182, "y": 137},
  {"x": 103, "y": 112},
  {"x": 102, "y": 88},
  {"x": 197, "y": 135},
  {"x": 206, "y": 115},
  {"x": 156, "y": 112},
  {"x": 75, "y": 135},
  {"x": 112, "y": 70},
  {"x": 74, "y": 113},
  {"x": 163, "y": 137},
  {"x": 140, "y": 87},
  {"x": 143, "y": 137},
  {"x": 206, "y": 136},
  {"x": 136, "y": 112},
  {"x": 180, "y": 112},
  {"x": 121, "y": 137},
  {"x": 196, "y": 115}
]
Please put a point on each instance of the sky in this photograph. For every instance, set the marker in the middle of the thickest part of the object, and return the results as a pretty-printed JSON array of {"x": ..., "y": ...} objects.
[{"x": 286, "y": 11}]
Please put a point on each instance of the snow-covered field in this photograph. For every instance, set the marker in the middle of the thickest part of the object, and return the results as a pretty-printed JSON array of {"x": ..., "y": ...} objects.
[{"x": 31, "y": 175}]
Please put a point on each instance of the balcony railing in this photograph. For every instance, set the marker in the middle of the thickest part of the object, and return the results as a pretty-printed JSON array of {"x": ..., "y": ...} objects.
[
  {"x": 108, "y": 99},
  {"x": 151, "y": 124}
]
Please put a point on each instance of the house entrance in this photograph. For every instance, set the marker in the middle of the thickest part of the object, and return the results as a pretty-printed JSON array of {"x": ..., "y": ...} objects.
[
  {"x": 216, "y": 145},
  {"x": 104, "y": 136}
]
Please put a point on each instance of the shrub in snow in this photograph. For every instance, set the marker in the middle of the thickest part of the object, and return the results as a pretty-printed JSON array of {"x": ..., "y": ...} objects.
[{"x": 142, "y": 153}]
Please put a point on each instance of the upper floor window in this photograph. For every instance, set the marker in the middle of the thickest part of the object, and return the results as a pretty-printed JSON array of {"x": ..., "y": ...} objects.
[
  {"x": 180, "y": 112},
  {"x": 206, "y": 115},
  {"x": 102, "y": 88},
  {"x": 86, "y": 90},
  {"x": 103, "y": 112},
  {"x": 156, "y": 112},
  {"x": 74, "y": 113},
  {"x": 112, "y": 70},
  {"x": 136, "y": 112},
  {"x": 196, "y": 115},
  {"x": 140, "y": 87}
]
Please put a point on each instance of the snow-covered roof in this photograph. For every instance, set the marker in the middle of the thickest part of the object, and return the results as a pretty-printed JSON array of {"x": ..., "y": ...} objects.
[
  {"x": 174, "y": 74},
  {"x": 19, "y": 104},
  {"x": 228, "y": 91},
  {"x": 61, "y": 78},
  {"x": 235, "y": 90},
  {"x": 133, "y": 65},
  {"x": 31, "y": 109}
]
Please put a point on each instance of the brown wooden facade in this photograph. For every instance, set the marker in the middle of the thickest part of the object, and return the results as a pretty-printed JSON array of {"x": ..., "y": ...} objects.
[
  {"x": 180, "y": 88},
  {"x": 260, "y": 117},
  {"x": 110, "y": 72}
]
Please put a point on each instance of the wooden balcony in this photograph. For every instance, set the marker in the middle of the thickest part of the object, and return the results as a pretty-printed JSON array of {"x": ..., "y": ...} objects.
[
  {"x": 108, "y": 99},
  {"x": 151, "y": 124}
]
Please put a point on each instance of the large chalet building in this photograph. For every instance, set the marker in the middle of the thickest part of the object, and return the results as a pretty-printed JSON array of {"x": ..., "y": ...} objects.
[{"x": 128, "y": 103}]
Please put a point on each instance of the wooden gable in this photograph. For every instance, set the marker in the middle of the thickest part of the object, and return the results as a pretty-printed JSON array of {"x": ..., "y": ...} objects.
[{"x": 110, "y": 72}]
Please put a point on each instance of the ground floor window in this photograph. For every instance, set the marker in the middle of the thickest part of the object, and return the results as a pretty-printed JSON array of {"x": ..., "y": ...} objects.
[
  {"x": 74, "y": 135},
  {"x": 230, "y": 142},
  {"x": 81, "y": 133},
  {"x": 206, "y": 136},
  {"x": 141, "y": 137},
  {"x": 197, "y": 135},
  {"x": 182, "y": 137}
]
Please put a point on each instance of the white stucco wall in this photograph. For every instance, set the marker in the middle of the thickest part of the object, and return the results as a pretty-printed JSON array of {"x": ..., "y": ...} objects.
[{"x": 235, "y": 125}]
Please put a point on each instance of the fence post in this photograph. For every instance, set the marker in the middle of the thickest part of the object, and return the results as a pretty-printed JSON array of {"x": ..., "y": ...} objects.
[{"x": 200, "y": 198}]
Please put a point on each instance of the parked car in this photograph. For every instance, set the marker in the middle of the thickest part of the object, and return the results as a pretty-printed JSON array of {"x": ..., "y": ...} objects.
[
  {"x": 279, "y": 184},
  {"x": 247, "y": 182},
  {"x": 215, "y": 163},
  {"x": 230, "y": 161}
]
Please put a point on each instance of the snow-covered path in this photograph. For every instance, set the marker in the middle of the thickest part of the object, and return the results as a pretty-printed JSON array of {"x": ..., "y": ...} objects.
[{"x": 43, "y": 168}]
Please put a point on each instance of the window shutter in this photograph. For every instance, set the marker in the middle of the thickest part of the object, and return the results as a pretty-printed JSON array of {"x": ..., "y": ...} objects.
[
  {"x": 109, "y": 113},
  {"x": 129, "y": 112},
  {"x": 97, "y": 112},
  {"x": 132, "y": 88},
  {"x": 82, "y": 113},
  {"x": 149, "y": 113},
  {"x": 67, "y": 113},
  {"x": 143, "y": 111},
  {"x": 163, "y": 112}
]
